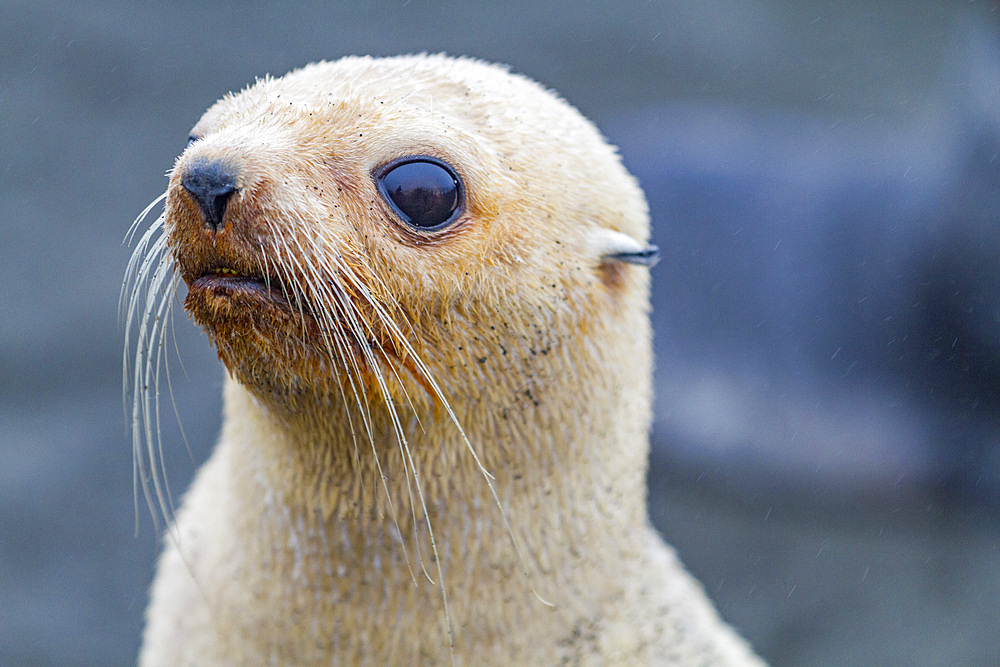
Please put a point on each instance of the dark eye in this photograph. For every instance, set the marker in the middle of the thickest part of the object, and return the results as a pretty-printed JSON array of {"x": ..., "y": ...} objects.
[
  {"x": 424, "y": 192},
  {"x": 192, "y": 139}
]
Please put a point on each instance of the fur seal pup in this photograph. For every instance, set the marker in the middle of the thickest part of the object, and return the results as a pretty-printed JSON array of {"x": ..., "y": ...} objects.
[{"x": 427, "y": 278}]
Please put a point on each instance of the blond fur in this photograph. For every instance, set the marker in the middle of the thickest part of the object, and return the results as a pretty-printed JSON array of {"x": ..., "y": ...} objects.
[{"x": 438, "y": 453}]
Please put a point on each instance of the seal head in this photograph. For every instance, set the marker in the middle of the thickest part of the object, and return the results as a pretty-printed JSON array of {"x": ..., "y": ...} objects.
[{"x": 428, "y": 280}]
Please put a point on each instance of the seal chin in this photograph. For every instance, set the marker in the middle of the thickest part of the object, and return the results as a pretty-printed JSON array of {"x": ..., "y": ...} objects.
[{"x": 265, "y": 342}]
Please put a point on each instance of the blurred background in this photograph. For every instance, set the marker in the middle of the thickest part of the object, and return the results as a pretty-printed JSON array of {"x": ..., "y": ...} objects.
[{"x": 824, "y": 181}]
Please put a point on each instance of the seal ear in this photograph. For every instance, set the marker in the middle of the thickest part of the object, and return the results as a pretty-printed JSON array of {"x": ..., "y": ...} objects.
[{"x": 612, "y": 246}]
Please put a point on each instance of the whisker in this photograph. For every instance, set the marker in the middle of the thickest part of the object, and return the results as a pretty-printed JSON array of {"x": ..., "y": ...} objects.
[
  {"x": 439, "y": 394},
  {"x": 329, "y": 295},
  {"x": 408, "y": 459},
  {"x": 161, "y": 346},
  {"x": 150, "y": 380},
  {"x": 386, "y": 320},
  {"x": 130, "y": 233},
  {"x": 143, "y": 257},
  {"x": 180, "y": 360},
  {"x": 149, "y": 290}
]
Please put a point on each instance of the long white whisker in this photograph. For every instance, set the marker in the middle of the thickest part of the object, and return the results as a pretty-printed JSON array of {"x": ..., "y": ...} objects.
[
  {"x": 144, "y": 257},
  {"x": 332, "y": 296},
  {"x": 407, "y": 457},
  {"x": 387, "y": 320},
  {"x": 155, "y": 300},
  {"x": 140, "y": 264},
  {"x": 161, "y": 346},
  {"x": 160, "y": 284},
  {"x": 362, "y": 339},
  {"x": 139, "y": 218},
  {"x": 439, "y": 394},
  {"x": 327, "y": 331}
]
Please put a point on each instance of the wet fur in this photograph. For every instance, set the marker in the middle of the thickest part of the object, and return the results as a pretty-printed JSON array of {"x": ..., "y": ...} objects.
[{"x": 434, "y": 445}]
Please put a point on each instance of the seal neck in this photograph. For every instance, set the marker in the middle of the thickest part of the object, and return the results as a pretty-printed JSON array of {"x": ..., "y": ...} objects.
[{"x": 358, "y": 467}]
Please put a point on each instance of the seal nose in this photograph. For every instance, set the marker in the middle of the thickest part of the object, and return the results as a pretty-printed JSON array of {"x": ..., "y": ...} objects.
[{"x": 212, "y": 183}]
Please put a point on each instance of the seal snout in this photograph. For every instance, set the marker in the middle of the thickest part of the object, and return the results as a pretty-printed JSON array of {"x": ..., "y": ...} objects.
[{"x": 212, "y": 183}]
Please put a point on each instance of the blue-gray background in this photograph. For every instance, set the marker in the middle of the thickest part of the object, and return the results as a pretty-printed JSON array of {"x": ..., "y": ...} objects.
[{"x": 825, "y": 187}]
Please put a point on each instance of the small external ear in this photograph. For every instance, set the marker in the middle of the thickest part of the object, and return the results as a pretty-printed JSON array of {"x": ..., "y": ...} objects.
[
  {"x": 612, "y": 246},
  {"x": 648, "y": 257}
]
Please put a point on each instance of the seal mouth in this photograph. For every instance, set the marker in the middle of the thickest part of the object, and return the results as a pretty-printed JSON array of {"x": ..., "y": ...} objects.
[
  {"x": 228, "y": 302},
  {"x": 223, "y": 281},
  {"x": 226, "y": 285}
]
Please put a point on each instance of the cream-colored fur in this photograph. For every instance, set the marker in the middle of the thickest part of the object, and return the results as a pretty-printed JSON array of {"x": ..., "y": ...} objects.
[{"x": 304, "y": 539}]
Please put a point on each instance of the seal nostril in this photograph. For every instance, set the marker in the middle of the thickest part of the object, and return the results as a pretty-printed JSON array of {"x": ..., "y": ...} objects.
[{"x": 212, "y": 183}]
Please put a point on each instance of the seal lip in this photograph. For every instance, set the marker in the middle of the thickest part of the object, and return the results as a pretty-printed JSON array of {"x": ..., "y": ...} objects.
[
  {"x": 221, "y": 283},
  {"x": 383, "y": 169},
  {"x": 227, "y": 282}
]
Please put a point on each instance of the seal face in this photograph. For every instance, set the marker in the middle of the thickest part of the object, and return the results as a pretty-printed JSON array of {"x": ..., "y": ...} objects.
[{"x": 439, "y": 357}]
